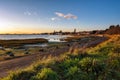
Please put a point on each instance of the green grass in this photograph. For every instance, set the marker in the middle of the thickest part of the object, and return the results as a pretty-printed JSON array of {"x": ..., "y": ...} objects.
[
  {"x": 98, "y": 63},
  {"x": 45, "y": 74},
  {"x": 17, "y": 52}
]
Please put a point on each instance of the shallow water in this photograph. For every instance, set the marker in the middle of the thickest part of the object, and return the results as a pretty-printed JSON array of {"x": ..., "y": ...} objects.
[
  {"x": 36, "y": 45},
  {"x": 32, "y": 36},
  {"x": 51, "y": 38}
]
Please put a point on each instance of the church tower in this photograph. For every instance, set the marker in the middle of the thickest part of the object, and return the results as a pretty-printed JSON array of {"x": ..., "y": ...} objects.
[{"x": 74, "y": 30}]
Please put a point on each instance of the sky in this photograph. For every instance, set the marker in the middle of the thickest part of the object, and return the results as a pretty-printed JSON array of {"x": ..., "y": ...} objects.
[{"x": 39, "y": 16}]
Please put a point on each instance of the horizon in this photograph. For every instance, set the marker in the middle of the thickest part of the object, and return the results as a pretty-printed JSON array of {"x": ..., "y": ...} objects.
[{"x": 45, "y": 16}]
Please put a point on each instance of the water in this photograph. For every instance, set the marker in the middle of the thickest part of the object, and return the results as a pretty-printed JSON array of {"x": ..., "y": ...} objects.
[
  {"x": 51, "y": 38},
  {"x": 32, "y": 36},
  {"x": 36, "y": 45}
]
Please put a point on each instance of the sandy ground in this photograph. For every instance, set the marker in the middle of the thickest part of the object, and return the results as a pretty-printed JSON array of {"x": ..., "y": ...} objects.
[{"x": 22, "y": 62}]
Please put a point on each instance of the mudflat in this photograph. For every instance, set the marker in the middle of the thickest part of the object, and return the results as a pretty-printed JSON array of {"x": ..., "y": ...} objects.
[{"x": 15, "y": 42}]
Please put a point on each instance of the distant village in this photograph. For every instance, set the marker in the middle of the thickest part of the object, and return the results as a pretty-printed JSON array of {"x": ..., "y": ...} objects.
[
  {"x": 113, "y": 29},
  {"x": 74, "y": 32}
]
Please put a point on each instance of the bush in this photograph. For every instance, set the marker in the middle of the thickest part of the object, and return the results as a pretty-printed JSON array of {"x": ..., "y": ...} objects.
[
  {"x": 117, "y": 50},
  {"x": 27, "y": 52},
  {"x": 46, "y": 74},
  {"x": 37, "y": 67},
  {"x": 105, "y": 50},
  {"x": 85, "y": 63},
  {"x": 113, "y": 64},
  {"x": 68, "y": 63},
  {"x": 21, "y": 75},
  {"x": 74, "y": 73},
  {"x": 109, "y": 74},
  {"x": 92, "y": 65}
]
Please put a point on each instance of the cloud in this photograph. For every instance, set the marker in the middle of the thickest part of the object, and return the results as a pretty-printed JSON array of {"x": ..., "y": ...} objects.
[
  {"x": 70, "y": 16},
  {"x": 66, "y": 16},
  {"x": 35, "y": 13},
  {"x": 28, "y": 13},
  {"x": 55, "y": 18},
  {"x": 59, "y": 14}
]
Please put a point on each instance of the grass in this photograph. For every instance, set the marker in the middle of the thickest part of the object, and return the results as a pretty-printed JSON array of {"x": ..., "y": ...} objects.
[
  {"x": 97, "y": 63},
  {"x": 24, "y": 51},
  {"x": 17, "y": 52},
  {"x": 74, "y": 38}
]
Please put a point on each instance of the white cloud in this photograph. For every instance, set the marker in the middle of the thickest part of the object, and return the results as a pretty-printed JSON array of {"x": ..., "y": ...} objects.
[
  {"x": 55, "y": 18},
  {"x": 28, "y": 13},
  {"x": 70, "y": 16},
  {"x": 66, "y": 16},
  {"x": 59, "y": 14}
]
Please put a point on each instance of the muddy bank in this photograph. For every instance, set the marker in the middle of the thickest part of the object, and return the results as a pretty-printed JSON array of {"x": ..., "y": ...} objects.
[{"x": 21, "y": 42}]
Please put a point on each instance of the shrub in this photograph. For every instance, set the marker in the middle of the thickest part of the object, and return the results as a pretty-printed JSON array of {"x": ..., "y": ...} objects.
[
  {"x": 109, "y": 74},
  {"x": 117, "y": 50},
  {"x": 79, "y": 54},
  {"x": 45, "y": 74},
  {"x": 113, "y": 64},
  {"x": 37, "y": 67},
  {"x": 105, "y": 50},
  {"x": 27, "y": 52},
  {"x": 68, "y": 63},
  {"x": 92, "y": 65},
  {"x": 85, "y": 63},
  {"x": 21, "y": 75},
  {"x": 74, "y": 73}
]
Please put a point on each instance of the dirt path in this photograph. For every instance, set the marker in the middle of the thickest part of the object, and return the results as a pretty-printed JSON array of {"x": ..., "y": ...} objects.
[{"x": 13, "y": 64}]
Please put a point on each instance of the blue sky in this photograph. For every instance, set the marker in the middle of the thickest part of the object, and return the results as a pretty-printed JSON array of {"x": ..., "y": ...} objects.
[{"x": 37, "y": 16}]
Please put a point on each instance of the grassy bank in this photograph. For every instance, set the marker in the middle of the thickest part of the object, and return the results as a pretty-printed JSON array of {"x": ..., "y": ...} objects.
[
  {"x": 78, "y": 38},
  {"x": 73, "y": 38},
  {"x": 25, "y": 51},
  {"x": 14, "y": 43},
  {"x": 96, "y": 63}
]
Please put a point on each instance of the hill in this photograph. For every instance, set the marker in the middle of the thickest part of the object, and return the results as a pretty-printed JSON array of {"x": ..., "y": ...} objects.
[{"x": 113, "y": 29}]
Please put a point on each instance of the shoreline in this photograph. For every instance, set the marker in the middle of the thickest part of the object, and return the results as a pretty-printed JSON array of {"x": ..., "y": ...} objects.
[{"x": 20, "y": 42}]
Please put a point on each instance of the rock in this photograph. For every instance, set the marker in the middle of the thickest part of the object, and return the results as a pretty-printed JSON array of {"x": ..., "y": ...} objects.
[{"x": 10, "y": 53}]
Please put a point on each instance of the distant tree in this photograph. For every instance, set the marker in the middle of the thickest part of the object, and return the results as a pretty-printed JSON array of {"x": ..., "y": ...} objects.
[
  {"x": 60, "y": 31},
  {"x": 113, "y": 29},
  {"x": 112, "y": 26},
  {"x": 118, "y": 26},
  {"x": 94, "y": 32}
]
